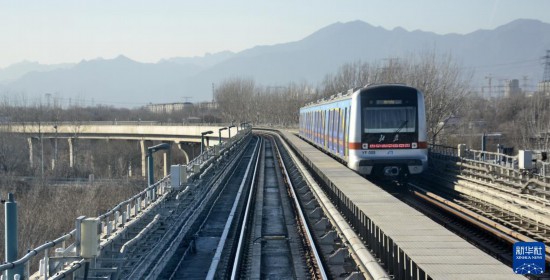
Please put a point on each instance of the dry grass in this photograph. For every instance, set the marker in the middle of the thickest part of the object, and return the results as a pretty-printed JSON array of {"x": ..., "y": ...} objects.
[{"x": 47, "y": 212}]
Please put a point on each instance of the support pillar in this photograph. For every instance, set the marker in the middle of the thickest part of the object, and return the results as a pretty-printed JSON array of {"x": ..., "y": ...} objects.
[
  {"x": 167, "y": 156},
  {"x": 150, "y": 166},
  {"x": 54, "y": 156},
  {"x": 143, "y": 145},
  {"x": 150, "y": 152},
  {"x": 10, "y": 231},
  {"x": 195, "y": 149},
  {"x": 71, "y": 152},
  {"x": 31, "y": 160},
  {"x": 180, "y": 146}
]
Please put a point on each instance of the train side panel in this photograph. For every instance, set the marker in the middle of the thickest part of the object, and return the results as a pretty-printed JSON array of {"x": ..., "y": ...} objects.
[{"x": 329, "y": 126}]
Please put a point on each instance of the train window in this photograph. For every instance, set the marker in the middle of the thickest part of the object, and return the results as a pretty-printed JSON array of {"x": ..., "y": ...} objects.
[{"x": 389, "y": 119}]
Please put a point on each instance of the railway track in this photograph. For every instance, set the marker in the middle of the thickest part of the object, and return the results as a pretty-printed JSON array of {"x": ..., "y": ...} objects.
[
  {"x": 520, "y": 216},
  {"x": 199, "y": 256},
  {"x": 522, "y": 208},
  {"x": 468, "y": 208},
  {"x": 274, "y": 246},
  {"x": 265, "y": 223},
  {"x": 339, "y": 248}
]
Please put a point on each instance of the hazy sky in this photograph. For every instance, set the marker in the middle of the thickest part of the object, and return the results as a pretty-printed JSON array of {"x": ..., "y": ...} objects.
[{"x": 59, "y": 31}]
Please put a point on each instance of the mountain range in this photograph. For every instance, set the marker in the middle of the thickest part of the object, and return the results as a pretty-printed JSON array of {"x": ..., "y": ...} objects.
[{"x": 510, "y": 51}]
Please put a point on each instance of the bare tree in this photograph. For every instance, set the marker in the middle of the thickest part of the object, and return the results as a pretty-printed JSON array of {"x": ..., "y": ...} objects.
[
  {"x": 532, "y": 123},
  {"x": 444, "y": 83},
  {"x": 234, "y": 98}
]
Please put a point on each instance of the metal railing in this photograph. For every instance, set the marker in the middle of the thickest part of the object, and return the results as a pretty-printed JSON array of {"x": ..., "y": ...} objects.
[
  {"x": 60, "y": 258},
  {"x": 116, "y": 122},
  {"x": 540, "y": 168},
  {"x": 444, "y": 152}
]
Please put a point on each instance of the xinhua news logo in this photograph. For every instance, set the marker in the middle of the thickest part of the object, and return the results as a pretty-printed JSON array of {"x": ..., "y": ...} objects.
[{"x": 529, "y": 258}]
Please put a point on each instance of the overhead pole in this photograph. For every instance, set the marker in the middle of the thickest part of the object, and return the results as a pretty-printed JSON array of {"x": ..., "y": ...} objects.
[
  {"x": 10, "y": 231},
  {"x": 213, "y": 94},
  {"x": 150, "y": 162},
  {"x": 546, "y": 77}
]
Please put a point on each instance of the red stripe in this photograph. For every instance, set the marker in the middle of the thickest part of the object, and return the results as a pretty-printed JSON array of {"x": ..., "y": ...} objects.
[
  {"x": 355, "y": 146},
  {"x": 422, "y": 145}
]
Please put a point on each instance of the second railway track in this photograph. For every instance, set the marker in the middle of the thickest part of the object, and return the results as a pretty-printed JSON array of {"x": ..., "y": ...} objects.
[
  {"x": 275, "y": 248},
  {"x": 264, "y": 223}
]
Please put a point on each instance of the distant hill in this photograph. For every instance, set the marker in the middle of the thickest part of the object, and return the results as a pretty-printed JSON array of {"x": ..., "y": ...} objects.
[
  {"x": 509, "y": 51},
  {"x": 16, "y": 71}
]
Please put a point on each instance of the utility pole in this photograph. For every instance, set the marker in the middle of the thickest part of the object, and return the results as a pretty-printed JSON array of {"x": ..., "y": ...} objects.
[
  {"x": 490, "y": 79},
  {"x": 213, "y": 94},
  {"x": 525, "y": 86},
  {"x": 546, "y": 76},
  {"x": 55, "y": 151},
  {"x": 48, "y": 96},
  {"x": 544, "y": 85}
]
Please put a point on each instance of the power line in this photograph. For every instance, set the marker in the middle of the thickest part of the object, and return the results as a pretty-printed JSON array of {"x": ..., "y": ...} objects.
[{"x": 518, "y": 62}]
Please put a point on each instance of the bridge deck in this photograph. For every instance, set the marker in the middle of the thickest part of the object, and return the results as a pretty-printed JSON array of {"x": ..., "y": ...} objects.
[{"x": 432, "y": 249}]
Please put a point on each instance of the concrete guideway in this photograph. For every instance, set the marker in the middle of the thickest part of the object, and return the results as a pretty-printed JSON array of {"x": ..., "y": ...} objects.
[
  {"x": 176, "y": 133},
  {"x": 411, "y": 245},
  {"x": 187, "y": 138}
]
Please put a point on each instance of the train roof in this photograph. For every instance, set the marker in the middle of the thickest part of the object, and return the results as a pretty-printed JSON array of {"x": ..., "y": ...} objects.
[{"x": 346, "y": 95}]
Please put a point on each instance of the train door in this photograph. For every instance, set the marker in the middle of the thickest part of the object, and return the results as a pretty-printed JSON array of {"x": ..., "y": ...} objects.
[
  {"x": 325, "y": 129},
  {"x": 313, "y": 126},
  {"x": 304, "y": 125},
  {"x": 317, "y": 127},
  {"x": 337, "y": 130},
  {"x": 319, "y": 122},
  {"x": 346, "y": 132},
  {"x": 301, "y": 123},
  {"x": 329, "y": 132},
  {"x": 341, "y": 132},
  {"x": 310, "y": 126},
  {"x": 330, "y": 129},
  {"x": 333, "y": 130}
]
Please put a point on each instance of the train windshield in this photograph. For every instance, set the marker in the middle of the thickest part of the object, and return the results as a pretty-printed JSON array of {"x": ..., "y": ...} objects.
[{"x": 389, "y": 119}]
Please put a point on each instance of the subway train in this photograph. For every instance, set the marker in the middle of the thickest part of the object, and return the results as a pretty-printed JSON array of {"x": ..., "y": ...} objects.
[{"x": 376, "y": 130}]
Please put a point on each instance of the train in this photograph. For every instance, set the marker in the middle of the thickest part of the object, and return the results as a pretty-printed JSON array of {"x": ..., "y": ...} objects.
[{"x": 377, "y": 130}]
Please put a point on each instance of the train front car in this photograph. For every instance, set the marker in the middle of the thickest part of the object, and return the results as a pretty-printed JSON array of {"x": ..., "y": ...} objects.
[{"x": 388, "y": 135}]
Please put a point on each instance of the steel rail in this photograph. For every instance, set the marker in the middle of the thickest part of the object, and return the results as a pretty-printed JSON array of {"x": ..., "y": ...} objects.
[
  {"x": 495, "y": 229},
  {"x": 217, "y": 255},
  {"x": 303, "y": 221},
  {"x": 187, "y": 222},
  {"x": 240, "y": 247},
  {"x": 367, "y": 263},
  {"x": 531, "y": 210}
]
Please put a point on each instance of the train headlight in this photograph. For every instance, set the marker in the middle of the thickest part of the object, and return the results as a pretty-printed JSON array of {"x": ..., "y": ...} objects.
[
  {"x": 365, "y": 146},
  {"x": 414, "y": 145}
]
